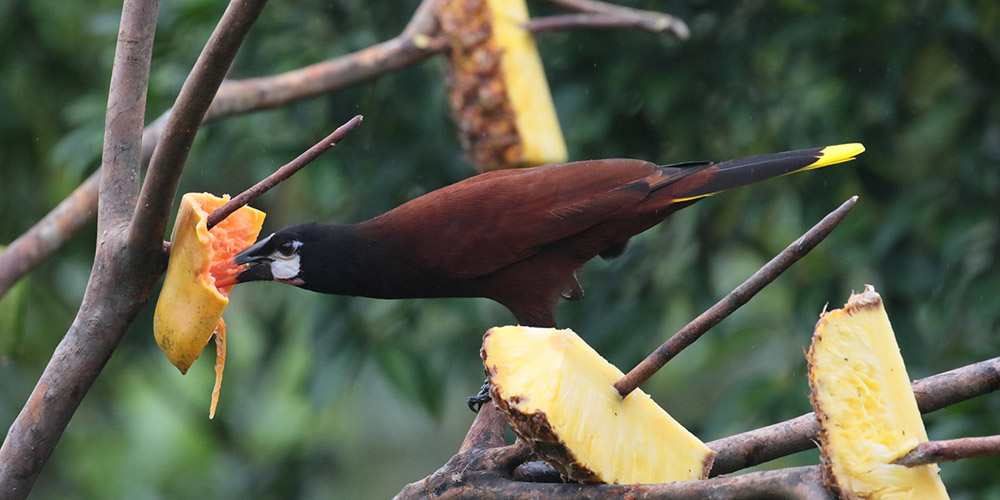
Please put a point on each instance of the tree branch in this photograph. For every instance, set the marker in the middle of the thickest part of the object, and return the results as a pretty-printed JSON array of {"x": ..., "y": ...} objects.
[
  {"x": 150, "y": 220},
  {"x": 49, "y": 234},
  {"x": 112, "y": 299},
  {"x": 798, "y": 434},
  {"x": 486, "y": 430},
  {"x": 606, "y": 15},
  {"x": 949, "y": 450},
  {"x": 282, "y": 173},
  {"x": 739, "y": 296},
  {"x": 124, "y": 117},
  {"x": 477, "y": 474},
  {"x": 575, "y": 22}
]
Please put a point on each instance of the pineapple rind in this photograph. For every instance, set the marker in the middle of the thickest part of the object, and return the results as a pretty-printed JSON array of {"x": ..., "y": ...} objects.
[
  {"x": 559, "y": 395},
  {"x": 527, "y": 86},
  {"x": 497, "y": 87},
  {"x": 866, "y": 407}
]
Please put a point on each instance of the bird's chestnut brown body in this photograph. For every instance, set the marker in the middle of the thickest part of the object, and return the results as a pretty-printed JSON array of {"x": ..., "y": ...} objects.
[{"x": 514, "y": 236}]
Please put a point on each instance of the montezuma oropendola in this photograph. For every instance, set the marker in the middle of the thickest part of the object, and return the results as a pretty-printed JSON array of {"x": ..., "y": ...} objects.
[{"x": 514, "y": 236}]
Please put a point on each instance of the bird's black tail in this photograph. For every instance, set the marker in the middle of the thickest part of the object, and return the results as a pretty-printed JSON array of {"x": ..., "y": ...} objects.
[{"x": 743, "y": 171}]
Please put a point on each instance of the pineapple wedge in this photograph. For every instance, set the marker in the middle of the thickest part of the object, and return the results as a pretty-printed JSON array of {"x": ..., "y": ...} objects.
[
  {"x": 558, "y": 395},
  {"x": 498, "y": 91},
  {"x": 865, "y": 405}
]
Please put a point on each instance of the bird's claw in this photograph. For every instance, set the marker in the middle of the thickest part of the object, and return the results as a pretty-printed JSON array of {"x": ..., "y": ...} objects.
[{"x": 482, "y": 397}]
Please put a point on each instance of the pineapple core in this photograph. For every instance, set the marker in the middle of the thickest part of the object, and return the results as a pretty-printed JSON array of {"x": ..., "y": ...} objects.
[
  {"x": 558, "y": 395},
  {"x": 865, "y": 405}
]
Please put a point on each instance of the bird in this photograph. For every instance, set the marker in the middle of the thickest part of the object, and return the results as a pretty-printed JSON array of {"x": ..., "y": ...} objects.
[{"x": 514, "y": 236}]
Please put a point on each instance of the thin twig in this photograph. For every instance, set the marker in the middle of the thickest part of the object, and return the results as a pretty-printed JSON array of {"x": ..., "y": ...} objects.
[
  {"x": 949, "y": 450},
  {"x": 150, "y": 220},
  {"x": 577, "y": 22},
  {"x": 282, "y": 173},
  {"x": 798, "y": 434},
  {"x": 423, "y": 21},
  {"x": 739, "y": 296},
  {"x": 643, "y": 19}
]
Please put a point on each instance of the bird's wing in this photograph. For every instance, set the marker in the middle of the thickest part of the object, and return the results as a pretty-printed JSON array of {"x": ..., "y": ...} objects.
[{"x": 489, "y": 221}]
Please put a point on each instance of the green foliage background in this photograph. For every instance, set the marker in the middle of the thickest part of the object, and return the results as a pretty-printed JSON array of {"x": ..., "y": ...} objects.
[{"x": 352, "y": 398}]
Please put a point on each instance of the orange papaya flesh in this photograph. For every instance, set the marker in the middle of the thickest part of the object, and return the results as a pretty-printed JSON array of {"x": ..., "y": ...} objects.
[
  {"x": 220, "y": 364},
  {"x": 189, "y": 309}
]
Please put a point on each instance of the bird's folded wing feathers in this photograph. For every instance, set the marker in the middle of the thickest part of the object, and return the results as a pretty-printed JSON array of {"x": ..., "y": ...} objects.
[{"x": 496, "y": 219}]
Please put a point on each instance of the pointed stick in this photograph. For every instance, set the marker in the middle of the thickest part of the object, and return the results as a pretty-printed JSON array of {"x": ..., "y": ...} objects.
[
  {"x": 743, "y": 293},
  {"x": 282, "y": 173}
]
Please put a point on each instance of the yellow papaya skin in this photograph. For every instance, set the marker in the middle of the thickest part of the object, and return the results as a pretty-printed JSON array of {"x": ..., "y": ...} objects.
[{"x": 190, "y": 306}]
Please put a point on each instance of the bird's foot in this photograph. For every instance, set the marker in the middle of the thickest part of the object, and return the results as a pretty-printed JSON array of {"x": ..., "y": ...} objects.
[{"x": 482, "y": 397}]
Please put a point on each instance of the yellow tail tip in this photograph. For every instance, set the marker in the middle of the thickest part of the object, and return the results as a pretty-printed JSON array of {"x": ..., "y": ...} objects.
[{"x": 837, "y": 154}]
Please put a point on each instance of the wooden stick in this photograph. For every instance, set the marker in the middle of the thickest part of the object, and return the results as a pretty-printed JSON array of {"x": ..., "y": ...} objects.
[
  {"x": 949, "y": 450},
  {"x": 743, "y": 293},
  {"x": 282, "y": 173}
]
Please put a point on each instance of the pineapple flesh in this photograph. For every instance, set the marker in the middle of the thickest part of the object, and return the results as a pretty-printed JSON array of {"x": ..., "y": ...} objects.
[
  {"x": 865, "y": 405},
  {"x": 498, "y": 91},
  {"x": 558, "y": 395}
]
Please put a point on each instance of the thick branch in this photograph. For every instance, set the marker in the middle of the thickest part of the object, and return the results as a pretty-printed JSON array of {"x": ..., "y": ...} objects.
[
  {"x": 468, "y": 475},
  {"x": 795, "y": 435},
  {"x": 150, "y": 221},
  {"x": 125, "y": 114},
  {"x": 111, "y": 300},
  {"x": 743, "y": 293},
  {"x": 486, "y": 430}
]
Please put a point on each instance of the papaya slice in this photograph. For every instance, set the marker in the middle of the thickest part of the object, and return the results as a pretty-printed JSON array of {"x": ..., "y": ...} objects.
[
  {"x": 189, "y": 309},
  {"x": 559, "y": 397}
]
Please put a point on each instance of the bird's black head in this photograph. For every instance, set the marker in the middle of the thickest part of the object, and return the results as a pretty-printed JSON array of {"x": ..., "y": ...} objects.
[
  {"x": 277, "y": 257},
  {"x": 324, "y": 258}
]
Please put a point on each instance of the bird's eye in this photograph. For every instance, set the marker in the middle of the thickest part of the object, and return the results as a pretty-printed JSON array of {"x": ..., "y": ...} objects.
[{"x": 287, "y": 248}]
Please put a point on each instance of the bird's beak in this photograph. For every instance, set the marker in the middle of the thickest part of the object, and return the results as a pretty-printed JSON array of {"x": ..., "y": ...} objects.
[{"x": 255, "y": 267}]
